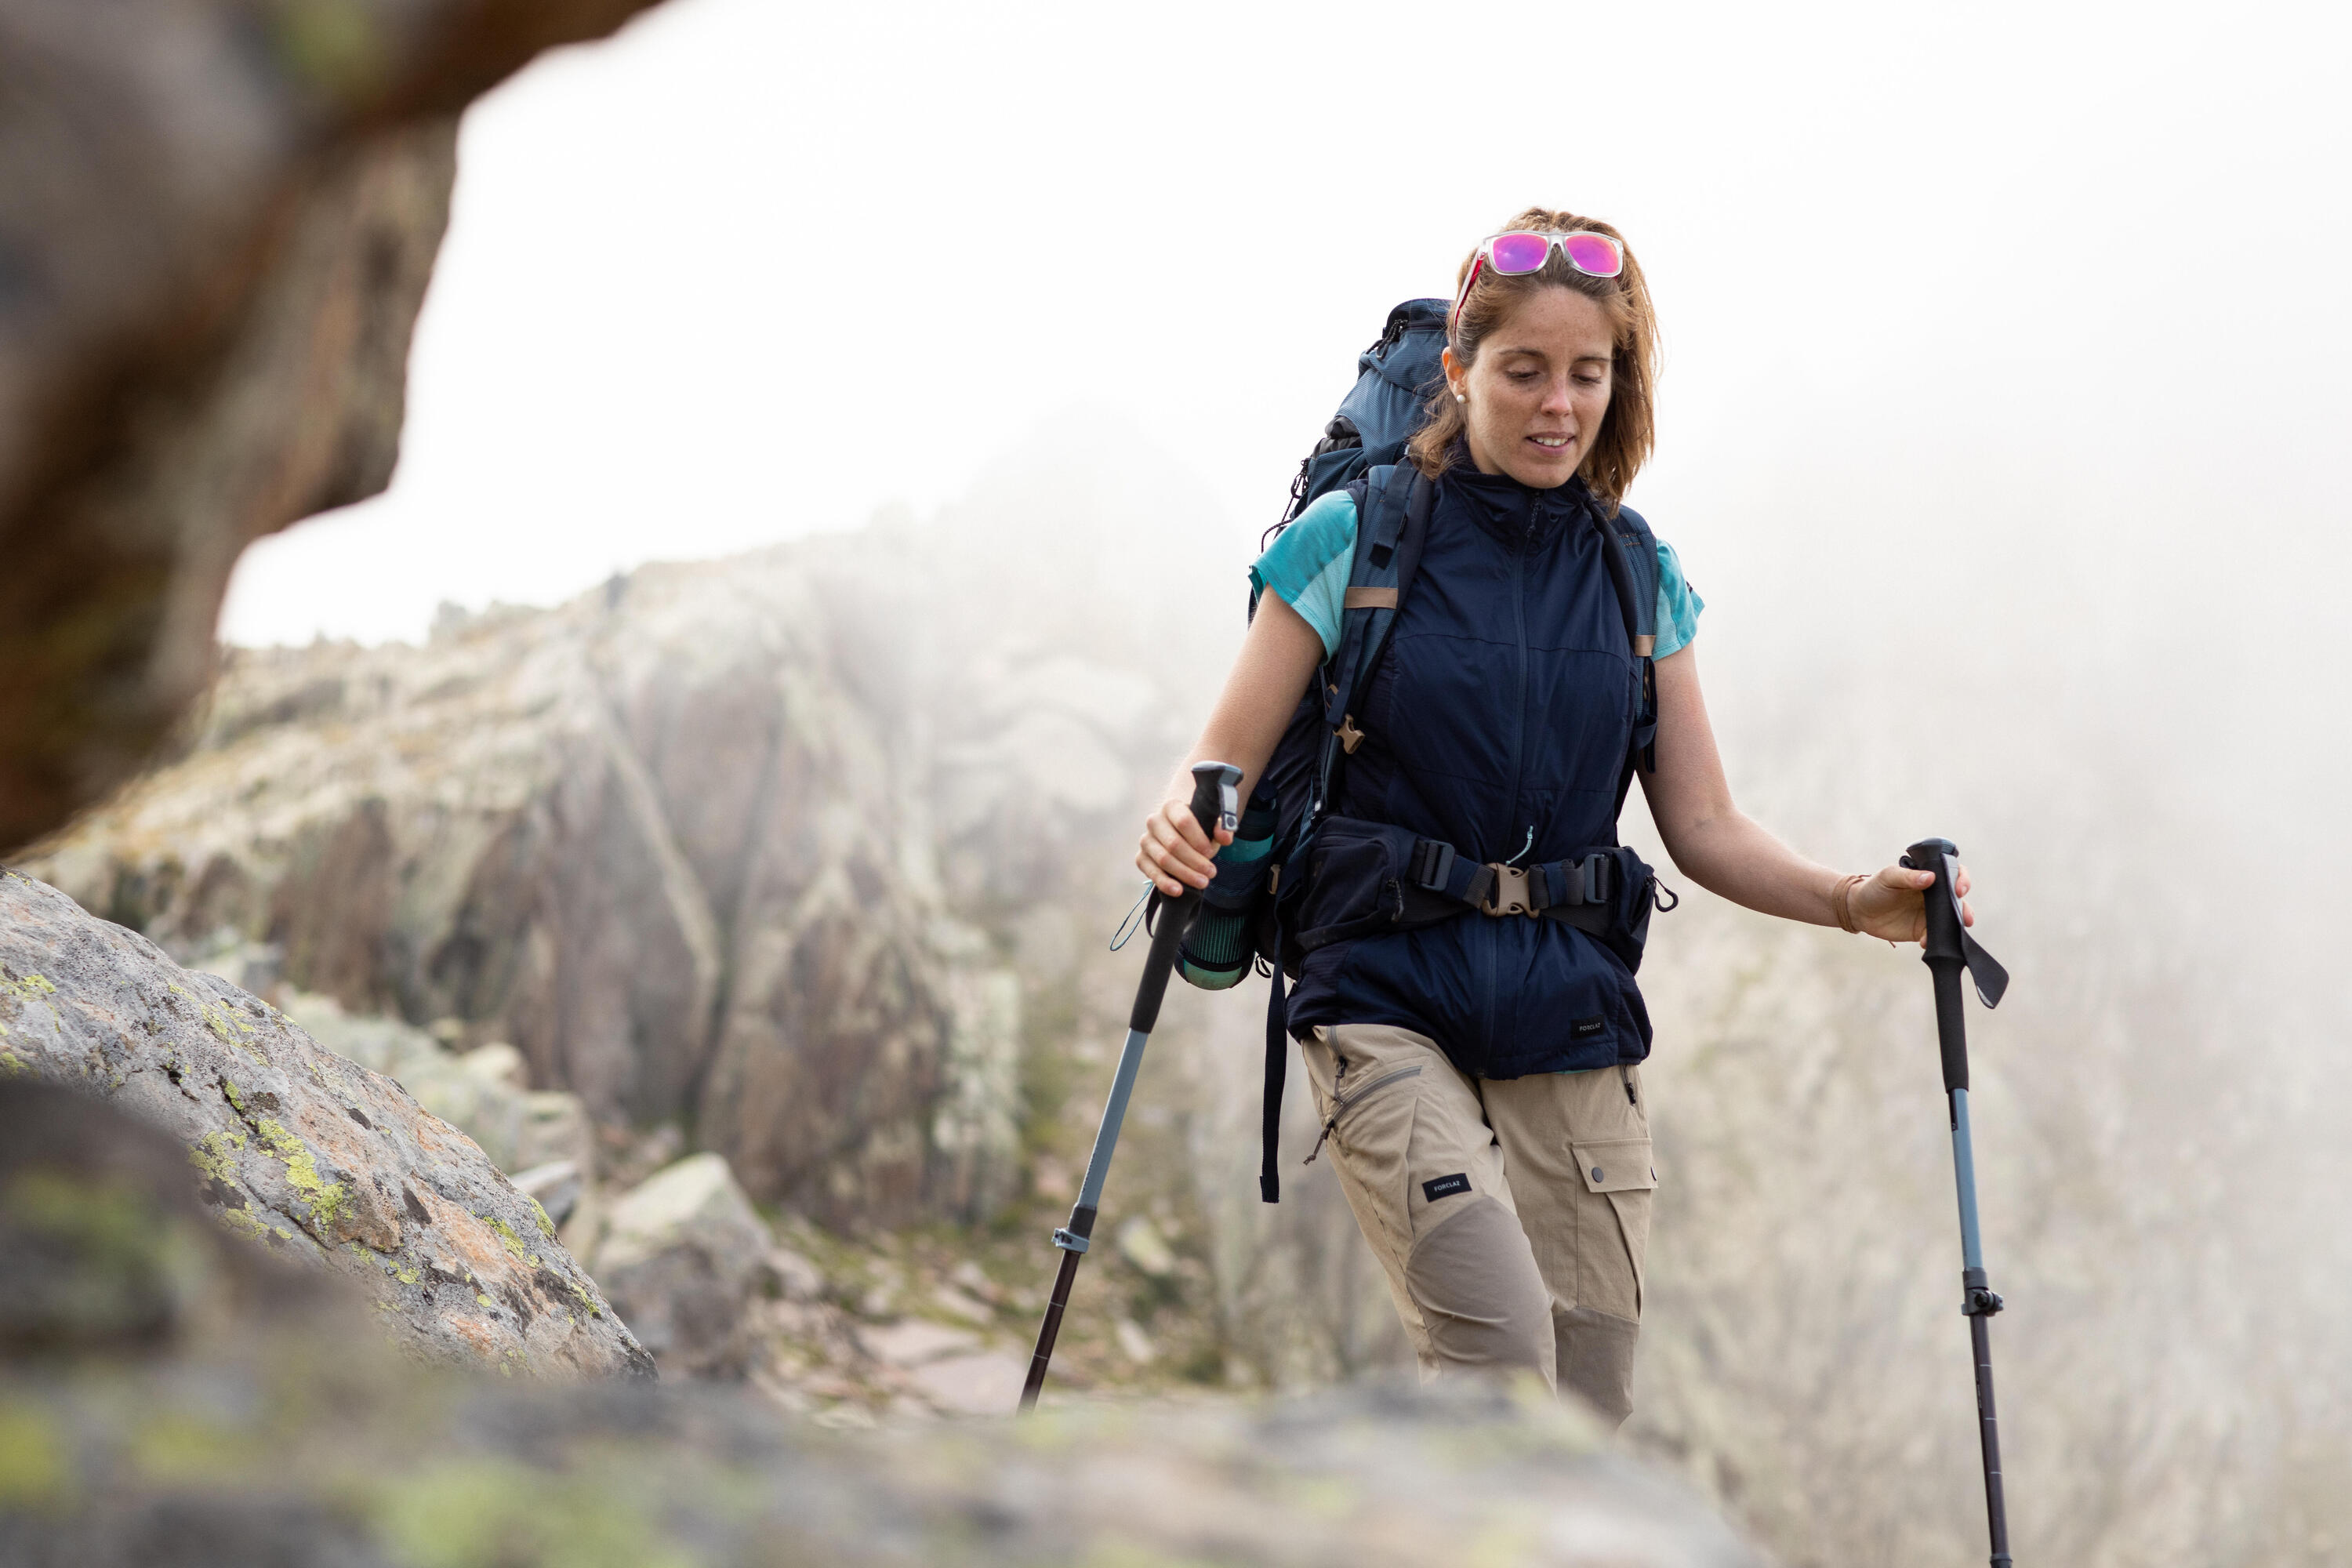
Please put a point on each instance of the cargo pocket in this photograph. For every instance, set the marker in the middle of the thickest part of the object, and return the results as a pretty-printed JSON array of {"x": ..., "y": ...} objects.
[
  {"x": 1370, "y": 1127},
  {"x": 1620, "y": 1169}
]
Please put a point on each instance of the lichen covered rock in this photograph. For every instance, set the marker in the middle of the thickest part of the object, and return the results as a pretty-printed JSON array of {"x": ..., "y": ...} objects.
[{"x": 303, "y": 1151}]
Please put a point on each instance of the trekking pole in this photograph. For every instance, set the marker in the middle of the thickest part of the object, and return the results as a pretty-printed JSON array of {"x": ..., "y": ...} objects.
[
  {"x": 1948, "y": 949},
  {"x": 1215, "y": 805}
]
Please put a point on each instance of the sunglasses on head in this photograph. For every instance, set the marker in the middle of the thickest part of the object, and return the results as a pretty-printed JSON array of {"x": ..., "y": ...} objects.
[{"x": 1521, "y": 251}]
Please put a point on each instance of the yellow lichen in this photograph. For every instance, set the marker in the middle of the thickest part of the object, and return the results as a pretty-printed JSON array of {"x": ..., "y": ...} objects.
[
  {"x": 215, "y": 1155},
  {"x": 409, "y": 1274},
  {"x": 545, "y": 1223},
  {"x": 328, "y": 1199},
  {"x": 29, "y": 989},
  {"x": 507, "y": 1237},
  {"x": 485, "y": 1301}
]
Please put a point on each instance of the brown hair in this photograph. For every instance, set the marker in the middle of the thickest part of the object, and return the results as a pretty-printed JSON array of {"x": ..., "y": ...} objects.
[{"x": 1628, "y": 430}]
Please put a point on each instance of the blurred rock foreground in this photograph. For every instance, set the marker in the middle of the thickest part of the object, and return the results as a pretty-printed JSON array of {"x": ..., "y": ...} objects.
[{"x": 171, "y": 1393}]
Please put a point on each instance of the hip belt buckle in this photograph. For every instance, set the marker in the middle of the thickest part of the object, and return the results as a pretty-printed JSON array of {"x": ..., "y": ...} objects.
[{"x": 1509, "y": 894}]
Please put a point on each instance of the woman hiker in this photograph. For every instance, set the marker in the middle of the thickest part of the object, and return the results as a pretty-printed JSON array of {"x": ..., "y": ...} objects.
[{"x": 1477, "y": 1076}]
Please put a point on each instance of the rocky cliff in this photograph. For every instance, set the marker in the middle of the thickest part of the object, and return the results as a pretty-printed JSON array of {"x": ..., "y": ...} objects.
[{"x": 746, "y": 844}]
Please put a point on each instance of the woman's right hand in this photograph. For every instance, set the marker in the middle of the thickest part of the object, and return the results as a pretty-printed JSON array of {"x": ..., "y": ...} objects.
[
  {"x": 1277, "y": 659},
  {"x": 1175, "y": 851}
]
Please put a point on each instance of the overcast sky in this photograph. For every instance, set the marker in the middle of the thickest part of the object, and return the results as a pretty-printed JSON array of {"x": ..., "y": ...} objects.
[{"x": 2025, "y": 281}]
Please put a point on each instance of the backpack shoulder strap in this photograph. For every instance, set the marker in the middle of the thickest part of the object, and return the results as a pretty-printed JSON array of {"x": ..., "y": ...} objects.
[
  {"x": 1392, "y": 507},
  {"x": 1632, "y": 557},
  {"x": 1631, "y": 552}
]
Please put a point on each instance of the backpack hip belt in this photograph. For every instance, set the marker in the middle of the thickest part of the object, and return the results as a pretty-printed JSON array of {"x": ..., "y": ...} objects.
[{"x": 1496, "y": 888}]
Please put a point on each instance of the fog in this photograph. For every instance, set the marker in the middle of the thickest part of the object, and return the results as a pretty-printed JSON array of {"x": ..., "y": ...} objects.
[{"x": 2000, "y": 430}]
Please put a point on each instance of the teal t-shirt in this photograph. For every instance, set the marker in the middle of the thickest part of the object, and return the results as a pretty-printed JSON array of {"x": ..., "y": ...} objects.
[{"x": 1307, "y": 568}]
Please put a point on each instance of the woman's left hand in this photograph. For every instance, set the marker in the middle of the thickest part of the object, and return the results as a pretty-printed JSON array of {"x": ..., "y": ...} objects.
[{"x": 1892, "y": 904}]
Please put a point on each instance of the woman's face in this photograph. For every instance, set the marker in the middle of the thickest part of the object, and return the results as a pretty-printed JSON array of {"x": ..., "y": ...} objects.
[{"x": 1539, "y": 389}]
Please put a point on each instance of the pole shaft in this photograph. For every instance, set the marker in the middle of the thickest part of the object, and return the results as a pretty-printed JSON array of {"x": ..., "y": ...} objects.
[
  {"x": 1050, "y": 1330},
  {"x": 1989, "y": 1433},
  {"x": 1114, "y": 1118},
  {"x": 1964, "y": 1178},
  {"x": 1213, "y": 806}
]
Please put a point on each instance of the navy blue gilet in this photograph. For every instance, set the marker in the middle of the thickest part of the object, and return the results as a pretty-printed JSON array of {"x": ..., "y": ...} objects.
[{"x": 1500, "y": 723}]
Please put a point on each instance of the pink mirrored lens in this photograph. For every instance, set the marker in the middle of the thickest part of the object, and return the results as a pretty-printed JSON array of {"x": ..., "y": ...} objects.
[
  {"x": 1517, "y": 253},
  {"x": 1594, "y": 254}
]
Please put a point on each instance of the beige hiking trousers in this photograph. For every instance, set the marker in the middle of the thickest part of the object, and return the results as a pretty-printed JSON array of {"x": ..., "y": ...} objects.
[{"x": 1510, "y": 1214}]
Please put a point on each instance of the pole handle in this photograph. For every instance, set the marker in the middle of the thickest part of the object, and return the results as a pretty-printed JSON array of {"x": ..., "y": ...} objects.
[
  {"x": 1216, "y": 800},
  {"x": 1215, "y": 804},
  {"x": 1941, "y": 953},
  {"x": 1948, "y": 938}
]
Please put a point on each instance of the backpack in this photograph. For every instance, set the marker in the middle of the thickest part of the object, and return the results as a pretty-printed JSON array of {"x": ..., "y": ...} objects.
[{"x": 1362, "y": 449}]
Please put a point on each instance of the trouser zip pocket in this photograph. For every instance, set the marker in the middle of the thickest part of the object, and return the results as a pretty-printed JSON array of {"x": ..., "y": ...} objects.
[{"x": 1343, "y": 1103}]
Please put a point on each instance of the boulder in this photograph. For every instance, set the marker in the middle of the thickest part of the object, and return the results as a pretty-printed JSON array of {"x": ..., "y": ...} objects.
[
  {"x": 220, "y": 219},
  {"x": 555, "y": 1187},
  {"x": 682, "y": 1254},
  {"x": 306, "y": 1153}
]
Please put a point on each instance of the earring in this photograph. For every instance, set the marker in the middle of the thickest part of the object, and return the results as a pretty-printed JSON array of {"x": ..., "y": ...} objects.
[{"x": 1459, "y": 398}]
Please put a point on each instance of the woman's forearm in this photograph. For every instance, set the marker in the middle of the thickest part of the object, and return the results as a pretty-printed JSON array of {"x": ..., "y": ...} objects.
[
  {"x": 1713, "y": 842},
  {"x": 1732, "y": 857},
  {"x": 1254, "y": 709},
  {"x": 1276, "y": 661}
]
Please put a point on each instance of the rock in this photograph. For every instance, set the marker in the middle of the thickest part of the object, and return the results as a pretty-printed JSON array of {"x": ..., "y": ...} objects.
[
  {"x": 1140, "y": 1243},
  {"x": 480, "y": 1093},
  {"x": 956, "y": 1304},
  {"x": 914, "y": 1342},
  {"x": 1134, "y": 1344},
  {"x": 306, "y": 1153},
  {"x": 791, "y": 1277},
  {"x": 681, "y": 1257},
  {"x": 988, "y": 1383},
  {"x": 675, "y": 847},
  {"x": 555, "y": 1188},
  {"x": 555, "y": 1128},
  {"x": 170, "y": 1396},
  {"x": 220, "y": 221},
  {"x": 497, "y": 1063}
]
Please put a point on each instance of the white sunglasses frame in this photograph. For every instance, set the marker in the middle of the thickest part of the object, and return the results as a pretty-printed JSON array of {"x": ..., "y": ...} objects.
[{"x": 1554, "y": 239}]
